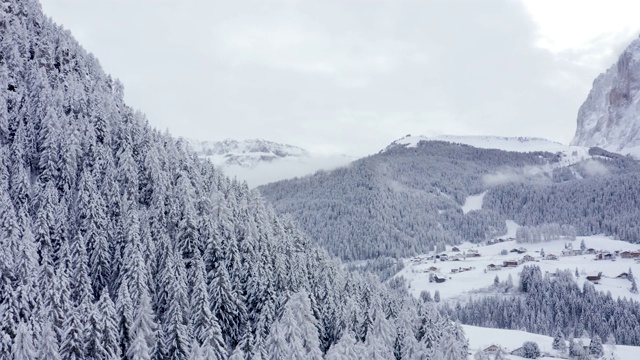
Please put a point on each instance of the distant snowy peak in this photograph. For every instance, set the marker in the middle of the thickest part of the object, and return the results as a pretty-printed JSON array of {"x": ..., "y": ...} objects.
[
  {"x": 247, "y": 153},
  {"x": 610, "y": 116},
  {"x": 517, "y": 144}
]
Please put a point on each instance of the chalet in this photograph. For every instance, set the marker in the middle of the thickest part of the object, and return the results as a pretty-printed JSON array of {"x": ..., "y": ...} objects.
[
  {"x": 455, "y": 271},
  {"x": 492, "y": 267},
  {"x": 444, "y": 257},
  {"x": 624, "y": 275},
  {"x": 528, "y": 258},
  {"x": 491, "y": 350},
  {"x": 472, "y": 252},
  {"x": 433, "y": 268},
  {"x": 456, "y": 257},
  {"x": 630, "y": 255},
  {"x": 551, "y": 257},
  {"x": 595, "y": 279},
  {"x": 439, "y": 280},
  {"x": 522, "y": 250},
  {"x": 604, "y": 256},
  {"x": 455, "y": 249},
  {"x": 518, "y": 352},
  {"x": 514, "y": 251},
  {"x": 510, "y": 263},
  {"x": 571, "y": 252},
  {"x": 590, "y": 251}
]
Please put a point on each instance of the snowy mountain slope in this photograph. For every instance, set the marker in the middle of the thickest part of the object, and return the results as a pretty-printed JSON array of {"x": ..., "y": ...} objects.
[
  {"x": 610, "y": 116},
  {"x": 260, "y": 162},
  {"x": 570, "y": 154},
  {"x": 246, "y": 153},
  {"x": 117, "y": 242},
  {"x": 401, "y": 201}
]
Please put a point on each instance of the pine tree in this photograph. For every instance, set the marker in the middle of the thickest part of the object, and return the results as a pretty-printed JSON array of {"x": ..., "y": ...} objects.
[
  {"x": 176, "y": 341},
  {"x": 344, "y": 349},
  {"x": 634, "y": 287},
  {"x": 576, "y": 349},
  {"x": 277, "y": 346},
  {"x": 559, "y": 343},
  {"x": 23, "y": 347},
  {"x": 143, "y": 328},
  {"x": 124, "y": 309},
  {"x": 73, "y": 340},
  {"x": 206, "y": 331},
  {"x": 109, "y": 329},
  {"x": 436, "y": 296},
  {"x": 139, "y": 349},
  {"x": 48, "y": 344},
  {"x": 225, "y": 304},
  {"x": 595, "y": 347}
]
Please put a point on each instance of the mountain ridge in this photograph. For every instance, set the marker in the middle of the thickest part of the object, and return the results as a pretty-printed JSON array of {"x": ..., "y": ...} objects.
[{"x": 245, "y": 153}]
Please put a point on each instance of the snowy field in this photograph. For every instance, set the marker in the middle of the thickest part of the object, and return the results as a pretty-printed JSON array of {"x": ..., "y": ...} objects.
[
  {"x": 509, "y": 340},
  {"x": 459, "y": 284},
  {"x": 478, "y": 281},
  {"x": 473, "y": 202}
]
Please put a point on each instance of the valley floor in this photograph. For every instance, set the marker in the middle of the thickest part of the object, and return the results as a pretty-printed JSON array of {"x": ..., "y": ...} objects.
[
  {"x": 481, "y": 338},
  {"x": 460, "y": 284},
  {"x": 478, "y": 281}
]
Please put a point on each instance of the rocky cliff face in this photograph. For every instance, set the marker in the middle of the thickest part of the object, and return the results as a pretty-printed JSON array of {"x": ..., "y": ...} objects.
[{"x": 610, "y": 117}]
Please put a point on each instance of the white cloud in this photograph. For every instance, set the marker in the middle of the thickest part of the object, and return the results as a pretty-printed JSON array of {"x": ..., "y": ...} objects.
[{"x": 305, "y": 72}]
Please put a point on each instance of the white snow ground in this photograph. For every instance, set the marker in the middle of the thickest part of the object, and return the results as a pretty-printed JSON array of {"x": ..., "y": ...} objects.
[
  {"x": 460, "y": 285},
  {"x": 509, "y": 340},
  {"x": 476, "y": 282},
  {"x": 473, "y": 202}
]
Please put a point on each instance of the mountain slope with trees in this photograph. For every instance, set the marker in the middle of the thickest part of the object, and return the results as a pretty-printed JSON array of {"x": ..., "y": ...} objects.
[
  {"x": 118, "y": 242},
  {"x": 402, "y": 201}
]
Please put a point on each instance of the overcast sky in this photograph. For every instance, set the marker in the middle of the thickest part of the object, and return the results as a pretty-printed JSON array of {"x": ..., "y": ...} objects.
[{"x": 352, "y": 76}]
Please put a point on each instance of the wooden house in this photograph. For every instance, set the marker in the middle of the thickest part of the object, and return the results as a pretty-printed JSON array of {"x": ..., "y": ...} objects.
[
  {"x": 510, "y": 263},
  {"x": 492, "y": 267},
  {"x": 595, "y": 278},
  {"x": 630, "y": 254},
  {"x": 624, "y": 275},
  {"x": 492, "y": 350}
]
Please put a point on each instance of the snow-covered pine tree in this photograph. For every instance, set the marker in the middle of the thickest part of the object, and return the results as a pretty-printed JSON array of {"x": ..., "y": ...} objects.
[
  {"x": 102, "y": 220},
  {"x": 595, "y": 347},
  {"x": 559, "y": 342}
]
